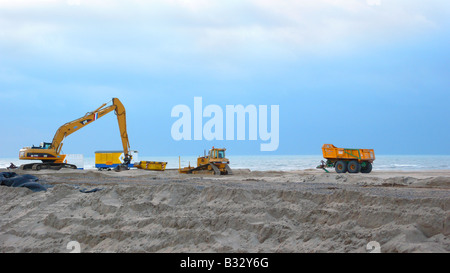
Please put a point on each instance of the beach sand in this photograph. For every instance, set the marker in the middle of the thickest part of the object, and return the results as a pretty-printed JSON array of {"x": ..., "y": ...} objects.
[{"x": 271, "y": 211}]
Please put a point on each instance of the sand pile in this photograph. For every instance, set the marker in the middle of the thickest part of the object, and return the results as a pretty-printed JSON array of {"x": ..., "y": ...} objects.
[{"x": 249, "y": 212}]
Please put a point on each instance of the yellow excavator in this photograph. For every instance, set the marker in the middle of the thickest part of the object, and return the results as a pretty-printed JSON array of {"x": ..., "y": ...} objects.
[{"x": 49, "y": 153}]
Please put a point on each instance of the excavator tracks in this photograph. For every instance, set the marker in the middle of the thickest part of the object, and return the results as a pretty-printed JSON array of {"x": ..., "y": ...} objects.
[
  {"x": 210, "y": 168},
  {"x": 46, "y": 166}
]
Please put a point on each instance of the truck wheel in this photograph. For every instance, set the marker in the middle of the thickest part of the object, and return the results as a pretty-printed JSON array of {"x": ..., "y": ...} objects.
[
  {"x": 354, "y": 167},
  {"x": 341, "y": 167},
  {"x": 367, "y": 168}
]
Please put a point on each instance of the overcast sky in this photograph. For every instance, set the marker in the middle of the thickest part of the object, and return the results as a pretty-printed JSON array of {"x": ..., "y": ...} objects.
[{"x": 354, "y": 73}]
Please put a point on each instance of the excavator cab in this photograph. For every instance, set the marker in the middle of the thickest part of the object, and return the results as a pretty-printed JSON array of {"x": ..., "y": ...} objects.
[{"x": 45, "y": 145}]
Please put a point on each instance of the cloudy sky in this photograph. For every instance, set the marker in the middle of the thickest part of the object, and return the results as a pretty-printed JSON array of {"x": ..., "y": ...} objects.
[{"x": 355, "y": 73}]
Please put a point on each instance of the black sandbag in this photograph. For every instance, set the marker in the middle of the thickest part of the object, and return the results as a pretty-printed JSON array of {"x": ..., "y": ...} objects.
[
  {"x": 29, "y": 176},
  {"x": 7, "y": 174},
  {"x": 6, "y": 181},
  {"x": 18, "y": 180},
  {"x": 11, "y": 179},
  {"x": 90, "y": 191},
  {"x": 35, "y": 187}
]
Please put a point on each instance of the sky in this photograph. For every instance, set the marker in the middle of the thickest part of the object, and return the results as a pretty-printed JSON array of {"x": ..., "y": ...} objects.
[{"x": 353, "y": 73}]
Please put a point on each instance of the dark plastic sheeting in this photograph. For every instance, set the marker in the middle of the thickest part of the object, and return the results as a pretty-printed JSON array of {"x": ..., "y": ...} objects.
[{"x": 11, "y": 179}]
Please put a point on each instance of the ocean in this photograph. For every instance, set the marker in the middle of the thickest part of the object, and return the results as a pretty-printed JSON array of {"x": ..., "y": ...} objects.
[{"x": 287, "y": 162}]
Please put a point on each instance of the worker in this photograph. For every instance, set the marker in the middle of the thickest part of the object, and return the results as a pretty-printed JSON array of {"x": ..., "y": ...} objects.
[
  {"x": 322, "y": 164},
  {"x": 12, "y": 166}
]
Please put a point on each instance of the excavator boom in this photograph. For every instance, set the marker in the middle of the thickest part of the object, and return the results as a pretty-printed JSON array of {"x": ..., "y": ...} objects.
[{"x": 122, "y": 120}]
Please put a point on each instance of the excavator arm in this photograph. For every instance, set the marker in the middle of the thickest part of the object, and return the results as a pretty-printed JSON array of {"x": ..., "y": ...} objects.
[
  {"x": 50, "y": 152},
  {"x": 121, "y": 119},
  {"x": 73, "y": 126}
]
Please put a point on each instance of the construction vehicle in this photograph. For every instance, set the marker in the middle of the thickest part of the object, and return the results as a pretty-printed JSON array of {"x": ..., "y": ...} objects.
[
  {"x": 347, "y": 160},
  {"x": 151, "y": 165},
  {"x": 214, "y": 163},
  {"x": 50, "y": 153},
  {"x": 108, "y": 160}
]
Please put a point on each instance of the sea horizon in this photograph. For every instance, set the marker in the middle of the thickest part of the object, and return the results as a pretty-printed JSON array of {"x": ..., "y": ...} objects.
[{"x": 281, "y": 162}]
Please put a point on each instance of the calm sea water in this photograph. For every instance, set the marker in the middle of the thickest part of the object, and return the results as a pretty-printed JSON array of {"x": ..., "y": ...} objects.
[{"x": 287, "y": 163}]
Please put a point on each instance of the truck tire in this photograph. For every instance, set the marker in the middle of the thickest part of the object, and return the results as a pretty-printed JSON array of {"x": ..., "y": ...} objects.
[
  {"x": 354, "y": 167},
  {"x": 341, "y": 167},
  {"x": 367, "y": 168}
]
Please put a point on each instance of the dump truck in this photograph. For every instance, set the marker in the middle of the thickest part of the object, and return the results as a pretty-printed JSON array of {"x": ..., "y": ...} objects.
[
  {"x": 50, "y": 152},
  {"x": 214, "y": 163},
  {"x": 347, "y": 160}
]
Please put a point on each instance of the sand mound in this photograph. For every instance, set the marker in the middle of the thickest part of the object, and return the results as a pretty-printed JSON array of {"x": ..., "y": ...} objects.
[{"x": 232, "y": 214}]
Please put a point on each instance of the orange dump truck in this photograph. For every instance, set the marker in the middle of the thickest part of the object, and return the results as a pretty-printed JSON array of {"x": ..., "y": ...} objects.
[{"x": 351, "y": 160}]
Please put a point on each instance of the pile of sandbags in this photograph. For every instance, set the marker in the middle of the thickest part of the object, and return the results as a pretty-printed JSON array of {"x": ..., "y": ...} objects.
[{"x": 11, "y": 179}]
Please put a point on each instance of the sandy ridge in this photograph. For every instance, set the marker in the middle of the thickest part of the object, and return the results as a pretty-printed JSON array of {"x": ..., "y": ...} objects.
[{"x": 304, "y": 211}]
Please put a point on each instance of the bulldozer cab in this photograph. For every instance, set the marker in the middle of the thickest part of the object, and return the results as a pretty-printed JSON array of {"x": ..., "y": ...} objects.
[{"x": 217, "y": 153}]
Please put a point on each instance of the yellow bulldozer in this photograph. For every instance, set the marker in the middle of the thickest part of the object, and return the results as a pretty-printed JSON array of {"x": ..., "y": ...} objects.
[{"x": 214, "y": 163}]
